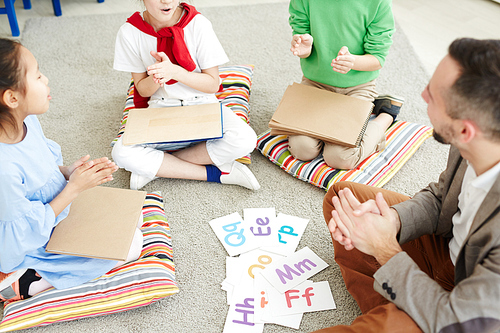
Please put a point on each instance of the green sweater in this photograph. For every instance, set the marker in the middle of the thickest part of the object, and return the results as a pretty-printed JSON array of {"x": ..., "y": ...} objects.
[{"x": 364, "y": 26}]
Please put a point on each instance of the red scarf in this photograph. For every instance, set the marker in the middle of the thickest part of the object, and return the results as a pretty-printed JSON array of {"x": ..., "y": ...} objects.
[{"x": 169, "y": 40}]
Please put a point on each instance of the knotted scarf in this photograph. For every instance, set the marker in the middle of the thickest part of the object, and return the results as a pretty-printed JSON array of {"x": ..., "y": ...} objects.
[{"x": 169, "y": 40}]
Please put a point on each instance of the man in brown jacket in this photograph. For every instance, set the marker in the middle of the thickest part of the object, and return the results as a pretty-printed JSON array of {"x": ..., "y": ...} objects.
[{"x": 432, "y": 263}]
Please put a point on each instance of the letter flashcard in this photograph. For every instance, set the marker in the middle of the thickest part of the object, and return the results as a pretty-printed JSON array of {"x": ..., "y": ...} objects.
[
  {"x": 240, "y": 317},
  {"x": 306, "y": 297},
  {"x": 262, "y": 225},
  {"x": 265, "y": 295},
  {"x": 290, "y": 231},
  {"x": 232, "y": 233},
  {"x": 294, "y": 269}
]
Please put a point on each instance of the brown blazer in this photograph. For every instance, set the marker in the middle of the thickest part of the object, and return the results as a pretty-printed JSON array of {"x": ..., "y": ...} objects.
[{"x": 474, "y": 303}]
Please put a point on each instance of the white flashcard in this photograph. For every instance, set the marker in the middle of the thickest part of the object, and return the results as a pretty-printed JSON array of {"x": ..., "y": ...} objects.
[
  {"x": 232, "y": 233},
  {"x": 255, "y": 261},
  {"x": 262, "y": 225},
  {"x": 251, "y": 263},
  {"x": 306, "y": 297},
  {"x": 240, "y": 317},
  {"x": 233, "y": 270},
  {"x": 228, "y": 288},
  {"x": 224, "y": 285},
  {"x": 290, "y": 231},
  {"x": 262, "y": 306},
  {"x": 294, "y": 269}
]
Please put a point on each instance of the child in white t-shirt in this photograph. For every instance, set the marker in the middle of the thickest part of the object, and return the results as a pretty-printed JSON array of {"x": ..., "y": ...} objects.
[{"x": 173, "y": 55}]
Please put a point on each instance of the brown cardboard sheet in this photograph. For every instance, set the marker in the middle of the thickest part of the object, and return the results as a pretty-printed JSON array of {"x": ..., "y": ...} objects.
[
  {"x": 100, "y": 224},
  {"x": 174, "y": 124},
  {"x": 318, "y": 113}
]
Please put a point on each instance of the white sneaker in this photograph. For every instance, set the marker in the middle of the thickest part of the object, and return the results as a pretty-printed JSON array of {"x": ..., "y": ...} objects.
[
  {"x": 137, "y": 181},
  {"x": 236, "y": 173}
]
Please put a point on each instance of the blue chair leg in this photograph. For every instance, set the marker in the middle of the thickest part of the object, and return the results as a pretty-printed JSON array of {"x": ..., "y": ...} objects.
[
  {"x": 57, "y": 7},
  {"x": 100, "y": 1},
  {"x": 27, "y": 4},
  {"x": 11, "y": 14}
]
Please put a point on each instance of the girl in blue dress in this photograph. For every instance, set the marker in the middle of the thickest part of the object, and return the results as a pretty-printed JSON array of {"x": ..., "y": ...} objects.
[{"x": 35, "y": 189}]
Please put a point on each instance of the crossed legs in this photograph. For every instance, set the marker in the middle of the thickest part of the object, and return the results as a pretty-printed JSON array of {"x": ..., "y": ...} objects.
[{"x": 379, "y": 315}]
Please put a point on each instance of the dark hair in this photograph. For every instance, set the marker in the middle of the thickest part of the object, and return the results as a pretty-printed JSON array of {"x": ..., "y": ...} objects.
[
  {"x": 475, "y": 95},
  {"x": 11, "y": 77}
]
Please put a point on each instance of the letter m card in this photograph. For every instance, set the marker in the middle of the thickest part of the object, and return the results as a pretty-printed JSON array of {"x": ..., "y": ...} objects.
[{"x": 294, "y": 269}]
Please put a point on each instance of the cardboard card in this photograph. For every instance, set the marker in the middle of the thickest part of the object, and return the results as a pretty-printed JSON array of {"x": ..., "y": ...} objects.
[
  {"x": 101, "y": 224},
  {"x": 174, "y": 124},
  {"x": 321, "y": 114}
]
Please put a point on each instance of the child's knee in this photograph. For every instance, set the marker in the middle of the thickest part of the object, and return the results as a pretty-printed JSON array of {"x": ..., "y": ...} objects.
[
  {"x": 118, "y": 154},
  {"x": 303, "y": 147},
  {"x": 339, "y": 157},
  {"x": 244, "y": 140}
]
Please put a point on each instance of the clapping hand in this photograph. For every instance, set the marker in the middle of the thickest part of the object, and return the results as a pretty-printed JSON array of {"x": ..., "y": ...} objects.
[
  {"x": 371, "y": 227},
  {"x": 163, "y": 70},
  {"x": 344, "y": 61},
  {"x": 302, "y": 45}
]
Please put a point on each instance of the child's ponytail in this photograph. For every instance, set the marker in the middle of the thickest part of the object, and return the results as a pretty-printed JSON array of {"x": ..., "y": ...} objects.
[{"x": 11, "y": 77}]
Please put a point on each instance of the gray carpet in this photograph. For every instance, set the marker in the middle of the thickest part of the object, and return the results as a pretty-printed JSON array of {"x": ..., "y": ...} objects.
[{"x": 76, "y": 54}]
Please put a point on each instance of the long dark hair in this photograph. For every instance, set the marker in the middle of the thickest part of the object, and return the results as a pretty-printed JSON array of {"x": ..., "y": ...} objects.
[
  {"x": 475, "y": 95},
  {"x": 11, "y": 77}
]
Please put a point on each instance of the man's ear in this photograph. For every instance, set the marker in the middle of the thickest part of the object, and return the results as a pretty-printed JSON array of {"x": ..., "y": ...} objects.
[
  {"x": 468, "y": 131},
  {"x": 10, "y": 98}
]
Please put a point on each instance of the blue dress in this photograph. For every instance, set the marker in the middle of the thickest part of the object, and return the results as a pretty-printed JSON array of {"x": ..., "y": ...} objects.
[{"x": 29, "y": 179}]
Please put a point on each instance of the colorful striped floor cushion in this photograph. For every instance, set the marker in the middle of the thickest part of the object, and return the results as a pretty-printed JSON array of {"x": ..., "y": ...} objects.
[
  {"x": 403, "y": 139},
  {"x": 236, "y": 84},
  {"x": 133, "y": 285}
]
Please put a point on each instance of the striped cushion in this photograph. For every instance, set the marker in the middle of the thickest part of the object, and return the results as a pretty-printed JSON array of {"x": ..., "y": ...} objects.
[
  {"x": 133, "y": 285},
  {"x": 236, "y": 84},
  {"x": 403, "y": 139}
]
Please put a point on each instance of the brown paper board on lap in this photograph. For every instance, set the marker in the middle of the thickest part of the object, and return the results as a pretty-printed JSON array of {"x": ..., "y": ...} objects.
[
  {"x": 174, "y": 124},
  {"x": 101, "y": 224},
  {"x": 322, "y": 114}
]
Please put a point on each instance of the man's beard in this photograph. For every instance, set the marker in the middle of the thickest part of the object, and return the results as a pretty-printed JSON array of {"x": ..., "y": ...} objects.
[{"x": 439, "y": 138}]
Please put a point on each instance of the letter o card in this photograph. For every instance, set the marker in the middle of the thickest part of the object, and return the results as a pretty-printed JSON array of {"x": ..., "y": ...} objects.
[{"x": 294, "y": 269}]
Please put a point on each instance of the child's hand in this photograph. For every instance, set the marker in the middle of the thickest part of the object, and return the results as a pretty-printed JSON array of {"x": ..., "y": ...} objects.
[
  {"x": 78, "y": 163},
  {"x": 302, "y": 45},
  {"x": 92, "y": 173},
  {"x": 162, "y": 70},
  {"x": 344, "y": 61}
]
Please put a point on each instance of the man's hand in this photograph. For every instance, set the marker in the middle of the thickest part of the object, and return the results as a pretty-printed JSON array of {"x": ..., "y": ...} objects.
[
  {"x": 370, "y": 227},
  {"x": 302, "y": 45}
]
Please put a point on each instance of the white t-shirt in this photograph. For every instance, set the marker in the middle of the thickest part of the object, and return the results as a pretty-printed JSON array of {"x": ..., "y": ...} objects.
[
  {"x": 132, "y": 54},
  {"x": 474, "y": 190}
]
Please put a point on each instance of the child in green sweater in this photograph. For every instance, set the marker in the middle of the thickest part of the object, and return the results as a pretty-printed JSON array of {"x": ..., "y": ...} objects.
[{"x": 342, "y": 45}]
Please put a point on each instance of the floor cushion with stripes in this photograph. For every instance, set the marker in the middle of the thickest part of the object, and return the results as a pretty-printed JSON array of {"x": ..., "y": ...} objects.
[
  {"x": 135, "y": 284},
  {"x": 402, "y": 140}
]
